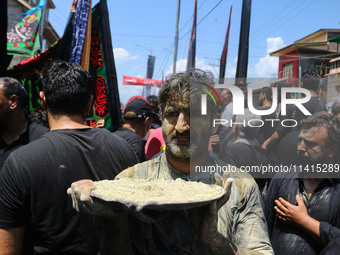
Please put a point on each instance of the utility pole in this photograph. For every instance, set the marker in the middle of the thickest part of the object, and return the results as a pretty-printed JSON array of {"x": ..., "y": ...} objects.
[{"x": 176, "y": 36}]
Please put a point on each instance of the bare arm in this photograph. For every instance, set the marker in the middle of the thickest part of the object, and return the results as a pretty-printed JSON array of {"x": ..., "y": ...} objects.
[
  {"x": 270, "y": 141},
  {"x": 11, "y": 241}
]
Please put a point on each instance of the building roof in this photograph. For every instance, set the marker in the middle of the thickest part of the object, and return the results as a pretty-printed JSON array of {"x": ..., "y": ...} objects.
[{"x": 318, "y": 41}]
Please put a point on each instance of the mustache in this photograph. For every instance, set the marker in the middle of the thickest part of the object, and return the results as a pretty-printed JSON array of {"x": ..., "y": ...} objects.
[{"x": 178, "y": 135}]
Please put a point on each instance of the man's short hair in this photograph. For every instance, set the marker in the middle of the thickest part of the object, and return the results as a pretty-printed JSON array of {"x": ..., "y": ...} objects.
[
  {"x": 335, "y": 108},
  {"x": 67, "y": 88},
  {"x": 310, "y": 80},
  {"x": 243, "y": 127},
  {"x": 190, "y": 83},
  {"x": 152, "y": 99},
  {"x": 11, "y": 87},
  {"x": 323, "y": 119}
]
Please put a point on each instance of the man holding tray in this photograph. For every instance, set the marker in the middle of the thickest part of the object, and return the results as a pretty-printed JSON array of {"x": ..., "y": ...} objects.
[{"x": 236, "y": 226}]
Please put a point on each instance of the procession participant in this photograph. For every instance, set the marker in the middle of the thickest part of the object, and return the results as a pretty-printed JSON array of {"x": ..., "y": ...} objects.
[
  {"x": 240, "y": 221},
  {"x": 302, "y": 208},
  {"x": 36, "y": 215},
  {"x": 137, "y": 123},
  {"x": 15, "y": 128}
]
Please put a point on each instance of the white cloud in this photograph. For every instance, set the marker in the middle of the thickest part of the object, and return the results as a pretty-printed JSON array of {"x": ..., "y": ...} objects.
[
  {"x": 268, "y": 65},
  {"x": 122, "y": 55},
  {"x": 128, "y": 91},
  {"x": 274, "y": 44}
]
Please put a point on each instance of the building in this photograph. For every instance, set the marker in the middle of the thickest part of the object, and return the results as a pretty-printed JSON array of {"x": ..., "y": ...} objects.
[
  {"x": 333, "y": 78},
  {"x": 312, "y": 52},
  {"x": 16, "y": 8}
]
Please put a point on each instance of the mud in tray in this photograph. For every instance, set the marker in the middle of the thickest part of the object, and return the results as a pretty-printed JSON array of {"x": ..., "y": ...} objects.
[{"x": 152, "y": 194}]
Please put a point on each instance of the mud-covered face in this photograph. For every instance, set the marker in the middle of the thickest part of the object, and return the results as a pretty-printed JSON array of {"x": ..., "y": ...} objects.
[
  {"x": 312, "y": 146},
  {"x": 186, "y": 133}
]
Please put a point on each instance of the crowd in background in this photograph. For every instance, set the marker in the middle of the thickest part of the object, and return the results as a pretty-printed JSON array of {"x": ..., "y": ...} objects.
[{"x": 297, "y": 209}]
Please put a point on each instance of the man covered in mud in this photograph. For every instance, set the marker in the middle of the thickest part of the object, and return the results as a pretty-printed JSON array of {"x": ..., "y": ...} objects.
[
  {"x": 235, "y": 226},
  {"x": 302, "y": 207}
]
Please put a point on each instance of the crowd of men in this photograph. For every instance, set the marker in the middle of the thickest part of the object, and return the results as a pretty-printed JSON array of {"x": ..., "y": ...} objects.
[{"x": 47, "y": 174}]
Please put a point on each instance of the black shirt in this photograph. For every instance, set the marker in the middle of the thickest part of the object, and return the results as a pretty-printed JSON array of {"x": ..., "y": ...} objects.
[
  {"x": 268, "y": 127},
  {"x": 243, "y": 153},
  {"x": 323, "y": 206},
  {"x": 32, "y": 132},
  {"x": 35, "y": 178},
  {"x": 134, "y": 140},
  {"x": 314, "y": 105},
  {"x": 287, "y": 150}
]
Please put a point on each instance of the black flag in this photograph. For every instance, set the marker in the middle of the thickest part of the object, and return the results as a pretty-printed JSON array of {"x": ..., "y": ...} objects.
[
  {"x": 192, "y": 46},
  {"x": 243, "y": 48},
  {"x": 223, "y": 60},
  {"x": 112, "y": 81}
]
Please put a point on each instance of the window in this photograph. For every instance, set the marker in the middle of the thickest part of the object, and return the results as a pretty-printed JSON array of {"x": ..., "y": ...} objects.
[{"x": 287, "y": 70}]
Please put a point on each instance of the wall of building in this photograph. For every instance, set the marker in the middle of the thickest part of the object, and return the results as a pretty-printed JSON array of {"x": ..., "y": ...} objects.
[{"x": 332, "y": 91}]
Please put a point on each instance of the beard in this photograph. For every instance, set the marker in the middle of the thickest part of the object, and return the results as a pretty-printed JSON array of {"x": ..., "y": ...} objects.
[
  {"x": 180, "y": 147},
  {"x": 309, "y": 164}
]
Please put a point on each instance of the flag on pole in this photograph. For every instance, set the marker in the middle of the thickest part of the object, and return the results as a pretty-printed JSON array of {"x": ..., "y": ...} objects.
[
  {"x": 243, "y": 47},
  {"x": 106, "y": 103},
  {"x": 102, "y": 68},
  {"x": 192, "y": 45},
  {"x": 23, "y": 39},
  {"x": 79, "y": 30},
  {"x": 223, "y": 60},
  {"x": 85, "y": 60}
]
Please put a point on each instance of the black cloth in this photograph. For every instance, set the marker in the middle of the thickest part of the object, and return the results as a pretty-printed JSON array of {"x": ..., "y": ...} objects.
[
  {"x": 136, "y": 143},
  {"x": 35, "y": 178},
  {"x": 33, "y": 132},
  {"x": 222, "y": 131},
  {"x": 287, "y": 150},
  {"x": 323, "y": 206},
  {"x": 242, "y": 153},
  {"x": 314, "y": 105},
  {"x": 225, "y": 144},
  {"x": 268, "y": 127},
  {"x": 333, "y": 248}
]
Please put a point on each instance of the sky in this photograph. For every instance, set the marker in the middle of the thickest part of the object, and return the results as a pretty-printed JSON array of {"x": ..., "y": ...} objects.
[{"x": 139, "y": 28}]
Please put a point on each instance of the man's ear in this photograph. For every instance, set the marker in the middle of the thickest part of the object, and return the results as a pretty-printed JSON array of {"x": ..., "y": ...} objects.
[
  {"x": 43, "y": 100},
  {"x": 13, "y": 102},
  {"x": 148, "y": 122},
  {"x": 89, "y": 104}
]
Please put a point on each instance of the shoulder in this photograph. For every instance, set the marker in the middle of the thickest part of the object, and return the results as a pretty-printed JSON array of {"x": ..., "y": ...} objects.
[
  {"x": 36, "y": 130},
  {"x": 145, "y": 170},
  {"x": 282, "y": 179},
  {"x": 128, "y": 135}
]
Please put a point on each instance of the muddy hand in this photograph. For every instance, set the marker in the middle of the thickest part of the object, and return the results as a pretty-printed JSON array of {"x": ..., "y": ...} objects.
[{"x": 80, "y": 191}]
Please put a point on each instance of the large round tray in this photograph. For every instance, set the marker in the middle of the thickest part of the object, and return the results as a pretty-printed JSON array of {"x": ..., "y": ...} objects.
[{"x": 123, "y": 204}]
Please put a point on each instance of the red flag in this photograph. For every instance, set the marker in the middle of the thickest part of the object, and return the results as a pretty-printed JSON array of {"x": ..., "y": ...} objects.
[
  {"x": 223, "y": 60},
  {"x": 192, "y": 45},
  {"x": 128, "y": 80}
]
